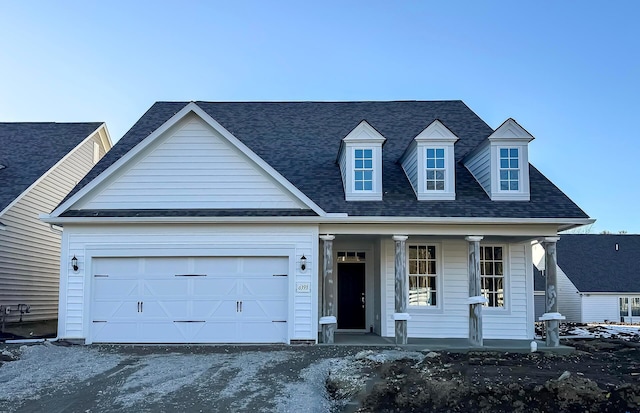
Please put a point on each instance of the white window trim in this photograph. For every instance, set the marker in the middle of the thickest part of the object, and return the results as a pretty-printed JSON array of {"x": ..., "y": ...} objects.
[
  {"x": 506, "y": 283},
  {"x": 522, "y": 194},
  {"x": 449, "y": 192},
  {"x": 500, "y": 168},
  {"x": 438, "y": 308},
  {"x": 375, "y": 194}
]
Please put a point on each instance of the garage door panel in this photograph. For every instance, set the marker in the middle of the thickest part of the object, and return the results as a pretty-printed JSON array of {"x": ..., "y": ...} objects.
[
  {"x": 264, "y": 266},
  {"x": 214, "y": 299},
  {"x": 214, "y": 286},
  {"x": 113, "y": 288},
  {"x": 171, "y": 287}
]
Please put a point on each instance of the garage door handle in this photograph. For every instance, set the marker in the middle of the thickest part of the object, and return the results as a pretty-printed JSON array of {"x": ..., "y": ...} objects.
[{"x": 190, "y": 275}]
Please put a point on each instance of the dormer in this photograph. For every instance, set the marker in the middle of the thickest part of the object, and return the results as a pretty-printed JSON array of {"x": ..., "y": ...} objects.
[
  {"x": 429, "y": 163},
  {"x": 501, "y": 164},
  {"x": 360, "y": 160}
]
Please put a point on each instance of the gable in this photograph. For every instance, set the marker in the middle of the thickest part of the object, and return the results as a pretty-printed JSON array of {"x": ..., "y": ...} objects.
[{"x": 191, "y": 166}]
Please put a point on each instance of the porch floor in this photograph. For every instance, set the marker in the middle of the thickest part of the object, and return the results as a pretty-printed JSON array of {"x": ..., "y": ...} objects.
[{"x": 459, "y": 345}]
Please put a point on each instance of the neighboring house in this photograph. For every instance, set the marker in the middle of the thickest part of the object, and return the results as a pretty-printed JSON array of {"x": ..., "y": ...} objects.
[
  {"x": 274, "y": 221},
  {"x": 598, "y": 277},
  {"x": 39, "y": 164}
]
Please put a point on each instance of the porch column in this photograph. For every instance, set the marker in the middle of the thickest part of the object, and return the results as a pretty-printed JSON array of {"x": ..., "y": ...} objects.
[
  {"x": 401, "y": 316},
  {"x": 328, "y": 319},
  {"x": 551, "y": 317},
  {"x": 475, "y": 300}
]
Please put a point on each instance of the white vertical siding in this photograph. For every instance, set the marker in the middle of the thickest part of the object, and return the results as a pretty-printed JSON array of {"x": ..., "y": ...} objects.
[
  {"x": 480, "y": 166},
  {"x": 192, "y": 167},
  {"x": 85, "y": 242},
  {"x": 600, "y": 308},
  {"x": 450, "y": 320},
  {"x": 29, "y": 248},
  {"x": 410, "y": 165}
]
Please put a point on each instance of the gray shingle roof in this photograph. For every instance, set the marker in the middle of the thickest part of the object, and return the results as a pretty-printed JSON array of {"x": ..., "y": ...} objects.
[
  {"x": 593, "y": 264},
  {"x": 301, "y": 141},
  {"x": 28, "y": 150}
]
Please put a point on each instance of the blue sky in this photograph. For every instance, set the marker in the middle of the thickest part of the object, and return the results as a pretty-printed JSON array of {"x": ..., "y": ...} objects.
[{"x": 567, "y": 71}]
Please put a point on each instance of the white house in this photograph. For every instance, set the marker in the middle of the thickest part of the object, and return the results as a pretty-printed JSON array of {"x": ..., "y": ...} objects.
[
  {"x": 39, "y": 164},
  {"x": 598, "y": 277},
  {"x": 252, "y": 222}
]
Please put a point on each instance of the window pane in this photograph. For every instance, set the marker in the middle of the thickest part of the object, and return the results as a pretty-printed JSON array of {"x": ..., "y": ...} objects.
[
  {"x": 498, "y": 253},
  {"x": 432, "y": 267},
  {"x": 431, "y": 249},
  {"x": 368, "y": 186},
  {"x": 431, "y": 174},
  {"x": 431, "y": 153},
  {"x": 431, "y": 186},
  {"x": 513, "y": 185},
  {"x": 488, "y": 254},
  {"x": 504, "y": 174},
  {"x": 368, "y": 153},
  {"x": 422, "y": 267},
  {"x": 513, "y": 175},
  {"x": 504, "y": 163},
  {"x": 498, "y": 268},
  {"x": 624, "y": 306},
  {"x": 431, "y": 163},
  {"x": 635, "y": 306},
  {"x": 504, "y": 152},
  {"x": 513, "y": 163},
  {"x": 504, "y": 186},
  {"x": 359, "y": 186},
  {"x": 413, "y": 252},
  {"x": 413, "y": 266},
  {"x": 440, "y": 153},
  {"x": 422, "y": 252},
  {"x": 488, "y": 268},
  {"x": 368, "y": 164},
  {"x": 359, "y": 163},
  {"x": 358, "y": 153},
  {"x": 368, "y": 175},
  {"x": 513, "y": 152},
  {"x": 433, "y": 298},
  {"x": 439, "y": 163},
  {"x": 432, "y": 283},
  {"x": 439, "y": 186},
  {"x": 358, "y": 175},
  {"x": 492, "y": 275}
]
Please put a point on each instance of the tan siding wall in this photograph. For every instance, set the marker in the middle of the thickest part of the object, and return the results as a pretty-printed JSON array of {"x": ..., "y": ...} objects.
[
  {"x": 29, "y": 249},
  {"x": 193, "y": 167}
]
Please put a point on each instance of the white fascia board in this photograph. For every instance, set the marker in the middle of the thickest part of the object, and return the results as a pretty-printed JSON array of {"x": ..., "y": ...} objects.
[
  {"x": 364, "y": 132},
  {"x": 327, "y": 219},
  {"x": 189, "y": 108},
  {"x": 510, "y": 130},
  {"x": 436, "y": 132},
  {"x": 44, "y": 175}
]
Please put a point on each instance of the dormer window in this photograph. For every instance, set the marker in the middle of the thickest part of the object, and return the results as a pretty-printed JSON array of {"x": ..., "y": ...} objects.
[
  {"x": 509, "y": 169},
  {"x": 429, "y": 163},
  {"x": 363, "y": 169},
  {"x": 435, "y": 172},
  {"x": 360, "y": 160},
  {"x": 501, "y": 163}
]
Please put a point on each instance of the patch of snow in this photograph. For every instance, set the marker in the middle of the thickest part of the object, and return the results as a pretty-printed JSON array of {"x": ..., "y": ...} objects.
[
  {"x": 47, "y": 365},
  {"x": 310, "y": 394}
]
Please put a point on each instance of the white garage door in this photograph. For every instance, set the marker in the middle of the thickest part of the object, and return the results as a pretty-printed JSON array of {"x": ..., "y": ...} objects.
[{"x": 190, "y": 300}]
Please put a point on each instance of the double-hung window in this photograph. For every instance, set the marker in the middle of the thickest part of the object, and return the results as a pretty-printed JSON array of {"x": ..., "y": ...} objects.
[
  {"x": 363, "y": 170},
  {"x": 435, "y": 171},
  {"x": 492, "y": 275},
  {"x": 423, "y": 275},
  {"x": 509, "y": 169}
]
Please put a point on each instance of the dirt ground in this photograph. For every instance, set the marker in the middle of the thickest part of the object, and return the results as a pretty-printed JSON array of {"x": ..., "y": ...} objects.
[{"x": 602, "y": 375}]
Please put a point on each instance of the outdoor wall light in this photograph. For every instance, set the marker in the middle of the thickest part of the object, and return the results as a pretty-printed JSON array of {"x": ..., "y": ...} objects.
[
  {"x": 303, "y": 262},
  {"x": 74, "y": 263}
]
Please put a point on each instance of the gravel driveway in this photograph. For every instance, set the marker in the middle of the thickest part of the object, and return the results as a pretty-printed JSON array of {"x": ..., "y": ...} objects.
[{"x": 55, "y": 378}]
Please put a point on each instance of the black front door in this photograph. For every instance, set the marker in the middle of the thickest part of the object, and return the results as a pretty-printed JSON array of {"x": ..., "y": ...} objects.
[{"x": 351, "y": 305}]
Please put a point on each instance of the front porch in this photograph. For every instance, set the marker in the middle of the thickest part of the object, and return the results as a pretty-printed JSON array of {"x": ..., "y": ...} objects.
[
  {"x": 455, "y": 345},
  {"x": 457, "y": 292}
]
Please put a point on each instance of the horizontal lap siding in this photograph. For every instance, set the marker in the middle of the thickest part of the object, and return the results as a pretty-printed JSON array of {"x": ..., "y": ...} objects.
[
  {"x": 600, "y": 308},
  {"x": 511, "y": 323},
  {"x": 29, "y": 249},
  {"x": 194, "y": 167},
  {"x": 183, "y": 240},
  {"x": 480, "y": 167},
  {"x": 451, "y": 319},
  {"x": 410, "y": 165},
  {"x": 568, "y": 298}
]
